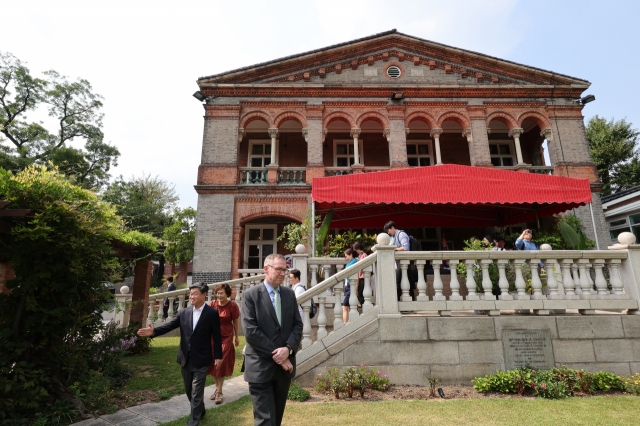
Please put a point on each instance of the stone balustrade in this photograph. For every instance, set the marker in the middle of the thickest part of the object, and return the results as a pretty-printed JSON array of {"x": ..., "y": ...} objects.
[
  {"x": 253, "y": 175},
  {"x": 292, "y": 175},
  {"x": 337, "y": 171}
]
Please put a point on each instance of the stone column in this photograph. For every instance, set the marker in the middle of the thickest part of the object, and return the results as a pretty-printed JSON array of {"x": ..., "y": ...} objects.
[
  {"x": 273, "y": 133},
  {"x": 219, "y": 161},
  {"x": 397, "y": 143},
  {"x": 355, "y": 134},
  {"x": 553, "y": 155},
  {"x": 140, "y": 293},
  {"x": 515, "y": 134},
  {"x": 435, "y": 134},
  {"x": 386, "y": 278}
]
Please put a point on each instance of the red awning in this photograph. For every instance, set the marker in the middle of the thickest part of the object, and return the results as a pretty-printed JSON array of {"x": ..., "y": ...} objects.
[{"x": 448, "y": 195}]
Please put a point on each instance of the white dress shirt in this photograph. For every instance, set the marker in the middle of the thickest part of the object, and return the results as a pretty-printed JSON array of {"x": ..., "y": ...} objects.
[{"x": 196, "y": 315}]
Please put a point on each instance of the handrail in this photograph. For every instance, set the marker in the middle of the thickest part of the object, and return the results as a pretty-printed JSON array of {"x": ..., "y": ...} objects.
[
  {"x": 514, "y": 254},
  {"x": 212, "y": 285},
  {"x": 327, "y": 261},
  {"x": 335, "y": 279}
]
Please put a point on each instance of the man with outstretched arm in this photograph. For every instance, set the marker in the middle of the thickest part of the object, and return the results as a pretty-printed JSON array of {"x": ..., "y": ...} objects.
[{"x": 198, "y": 324}]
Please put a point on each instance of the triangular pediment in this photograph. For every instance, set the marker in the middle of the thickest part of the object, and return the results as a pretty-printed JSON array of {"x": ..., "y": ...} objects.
[{"x": 367, "y": 61}]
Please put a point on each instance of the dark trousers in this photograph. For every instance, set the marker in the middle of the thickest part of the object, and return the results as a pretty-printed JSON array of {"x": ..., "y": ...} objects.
[
  {"x": 361, "y": 291},
  {"x": 194, "y": 381},
  {"x": 269, "y": 399},
  {"x": 412, "y": 274}
]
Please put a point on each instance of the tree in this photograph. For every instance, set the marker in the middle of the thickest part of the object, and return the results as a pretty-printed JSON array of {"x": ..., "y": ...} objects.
[
  {"x": 145, "y": 203},
  {"x": 614, "y": 152},
  {"x": 76, "y": 111},
  {"x": 60, "y": 255},
  {"x": 181, "y": 236}
]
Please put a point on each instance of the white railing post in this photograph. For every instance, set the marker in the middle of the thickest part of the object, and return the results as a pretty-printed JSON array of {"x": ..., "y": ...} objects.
[
  {"x": 601, "y": 283},
  {"x": 300, "y": 263},
  {"x": 367, "y": 293},
  {"x": 567, "y": 279},
  {"x": 521, "y": 285},
  {"x": 306, "y": 325},
  {"x": 152, "y": 302},
  {"x": 171, "y": 299},
  {"x": 536, "y": 283},
  {"x": 614, "y": 278},
  {"x": 503, "y": 283},
  {"x": 353, "y": 298},
  {"x": 422, "y": 285},
  {"x": 438, "y": 286},
  {"x": 314, "y": 279},
  {"x": 404, "y": 283},
  {"x": 322, "y": 317},
  {"x": 455, "y": 284},
  {"x": 470, "y": 282},
  {"x": 576, "y": 279},
  {"x": 552, "y": 284},
  {"x": 123, "y": 307},
  {"x": 337, "y": 307},
  {"x": 327, "y": 274},
  {"x": 584, "y": 281},
  {"x": 386, "y": 277},
  {"x": 487, "y": 285}
]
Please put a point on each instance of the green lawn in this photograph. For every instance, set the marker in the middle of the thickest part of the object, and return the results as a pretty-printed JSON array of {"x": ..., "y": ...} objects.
[
  {"x": 598, "y": 410},
  {"x": 158, "y": 370}
]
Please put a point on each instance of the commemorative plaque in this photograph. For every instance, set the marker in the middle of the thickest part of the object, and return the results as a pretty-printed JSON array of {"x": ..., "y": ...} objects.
[{"x": 527, "y": 347}]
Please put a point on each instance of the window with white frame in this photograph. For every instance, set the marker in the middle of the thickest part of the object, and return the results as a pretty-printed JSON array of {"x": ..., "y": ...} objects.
[
  {"x": 502, "y": 153},
  {"x": 419, "y": 153},
  {"x": 259, "y": 153},
  {"x": 343, "y": 153},
  {"x": 259, "y": 242}
]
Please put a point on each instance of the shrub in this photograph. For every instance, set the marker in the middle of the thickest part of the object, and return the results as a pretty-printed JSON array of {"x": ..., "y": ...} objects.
[
  {"x": 297, "y": 393},
  {"x": 378, "y": 380},
  {"x": 330, "y": 381},
  {"x": 631, "y": 384},
  {"x": 552, "y": 390},
  {"x": 606, "y": 381}
]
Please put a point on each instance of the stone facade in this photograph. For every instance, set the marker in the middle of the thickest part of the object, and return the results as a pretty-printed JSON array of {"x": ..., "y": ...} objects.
[
  {"x": 271, "y": 128},
  {"x": 455, "y": 350}
]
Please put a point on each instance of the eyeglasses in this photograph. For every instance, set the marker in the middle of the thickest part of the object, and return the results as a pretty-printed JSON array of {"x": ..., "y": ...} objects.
[{"x": 280, "y": 270}]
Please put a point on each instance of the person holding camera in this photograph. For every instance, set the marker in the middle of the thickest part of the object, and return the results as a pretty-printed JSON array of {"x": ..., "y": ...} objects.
[{"x": 524, "y": 241}]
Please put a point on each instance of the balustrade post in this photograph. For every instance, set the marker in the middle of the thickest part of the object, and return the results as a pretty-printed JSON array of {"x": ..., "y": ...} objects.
[
  {"x": 238, "y": 299},
  {"x": 503, "y": 283},
  {"x": 438, "y": 286},
  {"x": 404, "y": 283},
  {"x": 152, "y": 303},
  {"x": 314, "y": 277},
  {"x": 552, "y": 284},
  {"x": 386, "y": 278},
  {"x": 614, "y": 278},
  {"x": 422, "y": 285},
  {"x": 455, "y": 284},
  {"x": 601, "y": 283},
  {"x": 521, "y": 285},
  {"x": 300, "y": 261},
  {"x": 337, "y": 307},
  {"x": 171, "y": 299},
  {"x": 470, "y": 282},
  {"x": 487, "y": 285},
  {"x": 367, "y": 293},
  {"x": 536, "y": 283},
  {"x": 567, "y": 279},
  {"x": 306, "y": 325},
  {"x": 322, "y": 317},
  {"x": 584, "y": 281},
  {"x": 353, "y": 298},
  {"x": 327, "y": 275},
  {"x": 576, "y": 279}
]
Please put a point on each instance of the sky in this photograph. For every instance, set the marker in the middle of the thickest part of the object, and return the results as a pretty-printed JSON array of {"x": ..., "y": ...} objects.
[{"x": 144, "y": 57}]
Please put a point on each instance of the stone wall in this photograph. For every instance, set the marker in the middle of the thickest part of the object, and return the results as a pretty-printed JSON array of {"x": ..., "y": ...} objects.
[{"x": 455, "y": 350}]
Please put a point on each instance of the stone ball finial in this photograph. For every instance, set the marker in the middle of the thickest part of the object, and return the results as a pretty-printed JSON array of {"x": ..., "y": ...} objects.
[
  {"x": 383, "y": 239},
  {"x": 300, "y": 249},
  {"x": 546, "y": 247},
  {"x": 626, "y": 238},
  {"x": 124, "y": 289}
]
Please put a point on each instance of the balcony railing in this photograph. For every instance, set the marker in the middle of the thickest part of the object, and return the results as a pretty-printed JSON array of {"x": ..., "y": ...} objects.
[
  {"x": 292, "y": 176},
  {"x": 253, "y": 175},
  {"x": 542, "y": 170},
  {"x": 337, "y": 171}
]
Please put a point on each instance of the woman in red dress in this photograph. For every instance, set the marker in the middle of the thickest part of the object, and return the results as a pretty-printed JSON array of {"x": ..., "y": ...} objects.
[{"x": 229, "y": 326}]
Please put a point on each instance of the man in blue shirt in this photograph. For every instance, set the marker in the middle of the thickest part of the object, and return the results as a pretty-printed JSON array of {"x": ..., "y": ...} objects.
[{"x": 524, "y": 243}]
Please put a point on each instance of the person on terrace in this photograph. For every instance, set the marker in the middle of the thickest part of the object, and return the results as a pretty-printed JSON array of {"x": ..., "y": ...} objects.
[
  {"x": 524, "y": 242},
  {"x": 357, "y": 246}
]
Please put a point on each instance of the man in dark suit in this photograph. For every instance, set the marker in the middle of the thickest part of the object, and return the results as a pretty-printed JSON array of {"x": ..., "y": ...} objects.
[
  {"x": 198, "y": 324},
  {"x": 273, "y": 329}
]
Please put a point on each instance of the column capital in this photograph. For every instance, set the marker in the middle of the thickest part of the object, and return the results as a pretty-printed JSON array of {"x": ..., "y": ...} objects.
[
  {"x": 324, "y": 134},
  {"x": 436, "y": 132},
  {"x": 406, "y": 130},
  {"x": 515, "y": 133},
  {"x": 355, "y": 132},
  {"x": 240, "y": 134},
  {"x": 387, "y": 132},
  {"x": 467, "y": 134},
  {"x": 547, "y": 134},
  {"x": 305, "y": 134},
  {"x": 273, "y": 132}
]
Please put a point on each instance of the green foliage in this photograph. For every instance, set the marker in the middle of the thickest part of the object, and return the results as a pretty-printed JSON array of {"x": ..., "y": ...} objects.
[
  {"x": 574, "y": 239},
  {"x": 298, "y": 233},
  {"x": 60, "y": 255},
  {"x": 75, "y": 109},
  {"x": 613, "y": 146},
  {"x": 146, "y": 203},
  {"x": 148, "y": 243},
  {"x": 604, "y": 381},
  {"x": 557, "y": 383},
  {"x": 631, "y": 384},
  {"x": 433, "y": 383},
  {"x": 322, "y": 232},
  {"x": 351, "y": 380},
  {"x": 297, "y": 393},
  {"x": 336, "y": 246},
  {"x": 181, "y": 236}
]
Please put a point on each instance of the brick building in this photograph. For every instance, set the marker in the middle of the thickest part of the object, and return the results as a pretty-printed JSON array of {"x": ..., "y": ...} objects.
[{"x": 382, "y": 102}]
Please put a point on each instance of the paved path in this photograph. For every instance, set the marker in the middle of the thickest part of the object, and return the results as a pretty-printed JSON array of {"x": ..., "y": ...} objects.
[{"x": 165, "y": 411}]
